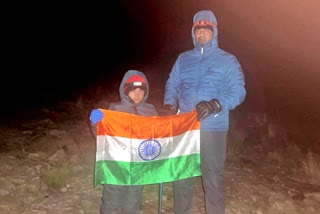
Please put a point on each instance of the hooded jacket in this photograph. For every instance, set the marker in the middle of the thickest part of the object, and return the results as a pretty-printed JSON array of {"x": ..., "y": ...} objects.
[
  {"x": 126, "y": 105},
  {"x": 204, "y": 73}
]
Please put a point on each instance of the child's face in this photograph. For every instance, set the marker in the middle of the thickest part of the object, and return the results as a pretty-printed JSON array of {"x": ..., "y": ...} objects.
[{"x": 136, "y": 95}]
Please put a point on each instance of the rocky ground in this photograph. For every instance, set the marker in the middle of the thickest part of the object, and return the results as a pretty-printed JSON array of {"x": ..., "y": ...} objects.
[{"x": 29, "y": 148}]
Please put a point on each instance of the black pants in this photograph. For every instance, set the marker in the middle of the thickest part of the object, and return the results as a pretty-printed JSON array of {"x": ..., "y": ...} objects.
[
  {"x": 213, "y": 155},
  {"x": 121, "y": 199}
]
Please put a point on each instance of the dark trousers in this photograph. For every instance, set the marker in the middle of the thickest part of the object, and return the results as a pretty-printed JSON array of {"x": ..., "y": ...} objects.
[
  {"x": 213, "y": 155},
  {"x": 121, "y": 199}
]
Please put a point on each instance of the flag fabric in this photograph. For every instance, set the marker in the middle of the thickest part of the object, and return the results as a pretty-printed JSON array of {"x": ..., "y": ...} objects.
[{"x": 141, "y": 150}]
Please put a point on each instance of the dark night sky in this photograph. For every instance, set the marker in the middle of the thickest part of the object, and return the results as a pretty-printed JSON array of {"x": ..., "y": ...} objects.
[{"x": 54, "y": 50}]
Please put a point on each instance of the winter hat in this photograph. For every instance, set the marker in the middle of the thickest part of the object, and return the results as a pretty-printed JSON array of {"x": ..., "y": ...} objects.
[
  {"x": 203, "y": 24},
  {"x": 133, "y": 82}
]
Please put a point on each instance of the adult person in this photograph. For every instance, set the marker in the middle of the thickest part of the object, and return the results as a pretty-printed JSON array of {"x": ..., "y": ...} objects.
[
  {"x": 134, "y": 91},
  {"x": 211, "y": 81}
]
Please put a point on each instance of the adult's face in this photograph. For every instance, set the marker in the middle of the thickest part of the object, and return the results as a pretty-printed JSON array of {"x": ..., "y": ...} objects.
[{"x": 203, "y": 35}]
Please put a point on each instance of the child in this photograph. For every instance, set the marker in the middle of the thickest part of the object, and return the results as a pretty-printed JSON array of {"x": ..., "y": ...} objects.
[{"x": 134, "y": 91}]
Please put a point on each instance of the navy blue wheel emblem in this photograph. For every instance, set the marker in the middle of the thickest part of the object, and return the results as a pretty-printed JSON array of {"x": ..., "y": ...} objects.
[{"x": 149, "y": 149}]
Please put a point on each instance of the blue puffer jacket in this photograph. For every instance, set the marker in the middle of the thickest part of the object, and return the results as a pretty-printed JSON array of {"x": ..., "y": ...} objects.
[{"x": 205, "y": 73}]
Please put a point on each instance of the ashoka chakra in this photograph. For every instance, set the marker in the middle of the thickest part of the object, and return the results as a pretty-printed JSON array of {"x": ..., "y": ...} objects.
[{"x": 149, "y": 149}]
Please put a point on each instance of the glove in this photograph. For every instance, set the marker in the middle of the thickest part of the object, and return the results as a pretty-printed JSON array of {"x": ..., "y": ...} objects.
[
  {"x": 167, "y": 110},
  {"x": 96, "y": 116},
  {"x": 205, "y": 108}
]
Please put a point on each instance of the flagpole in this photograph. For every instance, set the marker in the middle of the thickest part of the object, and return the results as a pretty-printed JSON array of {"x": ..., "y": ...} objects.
[
  {"x": 161, "y": 188},
  {"x": 160, "y": 198}
]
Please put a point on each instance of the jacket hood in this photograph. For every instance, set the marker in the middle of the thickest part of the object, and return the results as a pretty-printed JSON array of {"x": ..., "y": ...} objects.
[
  {"x": 209, "y": 16},
  {"x": 126, "y": 76}
]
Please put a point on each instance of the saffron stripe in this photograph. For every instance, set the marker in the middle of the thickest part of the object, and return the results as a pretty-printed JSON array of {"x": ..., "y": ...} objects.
[{"x": 127, "y": 125}]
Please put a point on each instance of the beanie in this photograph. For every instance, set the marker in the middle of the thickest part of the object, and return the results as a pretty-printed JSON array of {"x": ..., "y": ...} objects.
[
  {"x": 204, "y": 24},
  {"x": 133, "y": 82}
]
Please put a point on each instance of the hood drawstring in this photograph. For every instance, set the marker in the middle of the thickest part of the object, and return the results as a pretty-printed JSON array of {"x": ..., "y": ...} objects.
[
  {"x": 202, "y": 49},
  {"x": 133, "y": 110}
]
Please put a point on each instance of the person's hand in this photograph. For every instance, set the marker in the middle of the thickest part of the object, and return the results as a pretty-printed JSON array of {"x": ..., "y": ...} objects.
[
  {"x": 167, "y": 110},
  {"x": 205, "y": 108},
  {"x": 96, "y": 116}
]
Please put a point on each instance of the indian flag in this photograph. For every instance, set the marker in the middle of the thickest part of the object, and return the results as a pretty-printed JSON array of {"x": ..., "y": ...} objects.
[{"x": 140, "y": 150}]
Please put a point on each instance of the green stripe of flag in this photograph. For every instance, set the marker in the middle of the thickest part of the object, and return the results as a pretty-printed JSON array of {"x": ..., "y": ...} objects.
[{"x": 143, "y": 173}]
